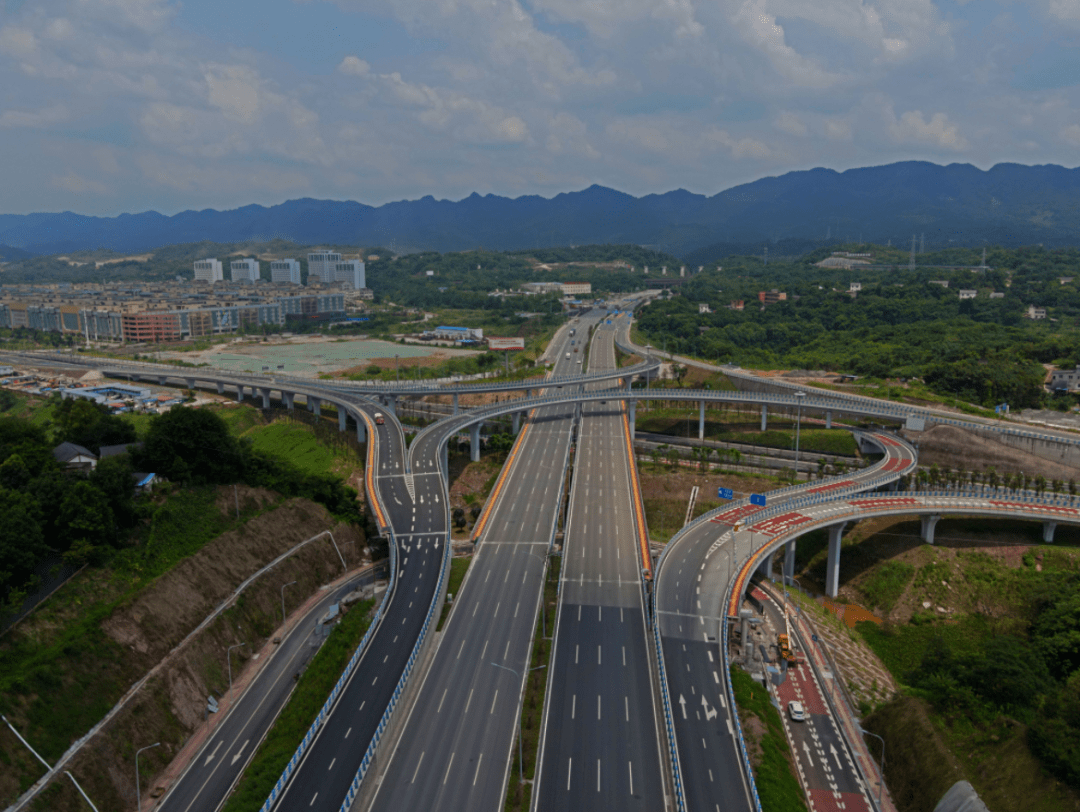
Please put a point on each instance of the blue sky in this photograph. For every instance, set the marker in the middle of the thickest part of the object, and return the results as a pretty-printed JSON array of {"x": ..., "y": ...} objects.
[{"x": 110, "y": 106}]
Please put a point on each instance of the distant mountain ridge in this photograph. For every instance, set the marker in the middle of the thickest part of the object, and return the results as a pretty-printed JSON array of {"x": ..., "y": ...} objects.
[{"x": 958, "y": 204}]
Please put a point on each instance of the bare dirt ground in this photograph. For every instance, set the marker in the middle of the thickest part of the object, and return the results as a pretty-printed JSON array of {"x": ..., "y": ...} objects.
[{"x": 952, "y": 447}]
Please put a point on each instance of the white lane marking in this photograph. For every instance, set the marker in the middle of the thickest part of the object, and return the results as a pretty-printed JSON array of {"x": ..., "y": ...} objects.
[
  {"x": 630, "y": 764},
  {"x": 440, "y": 701},
  {"x": 569, "y": 772},
  {"x": 417, "y": 770},
  {"x": 347, "y": 732},
  {"x": 598, "y": 707},
  {"x": 477, "y": 773},
  {"x": 333, "y": 761},
  {"x": 494, "y": 699},
  {"x": 573, "y": 706},
  {"x": 598, "y": 775},
  {"x": 448, "y": 766},
  {"x": 313, "y": 797},
  {"x": 626, "y": 700},
  {"x": 469, "y": 700}
]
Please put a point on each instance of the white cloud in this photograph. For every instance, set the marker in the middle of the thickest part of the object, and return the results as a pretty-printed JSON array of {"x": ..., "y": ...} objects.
[
  {"x": 567, "y": 134},
  {"x": 938, "y": 131},
  {"x": 791, "y": 124},
  {"x": 683, "y": 144},
  {"x": 760, "y": 30},
  {"x": 1071, "y": 135},
  {"x": 234, "y": 89},
  {"x": 18, "y": 42},
  {"x": 77, "y": 184},
  {"x": 837, "y": 129},
  {"x": 44, "y": 117},
  {"x": 1068, "y": 10},
  {"x": 354, "y": 66},
  {"x": 148, "y": 16}
]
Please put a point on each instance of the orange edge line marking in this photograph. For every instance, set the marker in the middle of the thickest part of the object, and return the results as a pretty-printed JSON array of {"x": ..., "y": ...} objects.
[
  {"x": 369, "y": 476},
  {"x": 639, "y": 510},
  {"x": 490, "y": 505}
]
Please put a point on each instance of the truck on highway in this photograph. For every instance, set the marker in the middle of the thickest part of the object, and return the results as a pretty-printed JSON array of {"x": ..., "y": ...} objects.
[
  {"x": 568, "y": 356},
  {"x": 572, "y": 331},
  {"x": 378, "y": 419}
]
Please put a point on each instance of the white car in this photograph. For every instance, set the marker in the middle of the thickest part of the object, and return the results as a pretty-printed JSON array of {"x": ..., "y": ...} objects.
[{"x": 795, "y": 711}]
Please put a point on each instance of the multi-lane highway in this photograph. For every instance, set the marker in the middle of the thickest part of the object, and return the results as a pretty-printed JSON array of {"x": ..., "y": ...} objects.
[
  {"x": 601, "y": 748},
  {"x": 457, "y": 742}
]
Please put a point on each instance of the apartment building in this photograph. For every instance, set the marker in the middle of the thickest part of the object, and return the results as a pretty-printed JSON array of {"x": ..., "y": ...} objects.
[
  {"x": 244, "y": 270},
  {"x": 285, "y": 271},
  {"x": 208, "y": 270}
]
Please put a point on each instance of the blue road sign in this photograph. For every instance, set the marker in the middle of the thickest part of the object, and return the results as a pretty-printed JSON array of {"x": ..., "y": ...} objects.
[
  {"x": 757, "y": 499},
  {"x": 725, "y": 493}
]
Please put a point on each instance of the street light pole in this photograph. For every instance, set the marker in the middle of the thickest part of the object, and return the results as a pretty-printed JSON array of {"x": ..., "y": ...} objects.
[
  {"x": 521, "y": 747},
  {"x": 228, "y": 656},
  {"x": 283, "y": 600},
  {"x": 138, "y": 791},
  {"x": 881, "y": 781},
  {"x": 798, "y": 424}
]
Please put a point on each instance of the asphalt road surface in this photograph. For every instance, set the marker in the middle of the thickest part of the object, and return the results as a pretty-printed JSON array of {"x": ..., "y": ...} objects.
[
  {"x": 601, "y": 749},
  {"x": 457, "y": 742}
]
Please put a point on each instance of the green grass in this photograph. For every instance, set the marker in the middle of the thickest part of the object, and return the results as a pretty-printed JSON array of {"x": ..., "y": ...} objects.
[
  {"x": 684, "y": 422},
  {"x": 458, "y": 567},
  {"x": 887, "y": 583},
  {"x": 777, "y": 786},
  {"x": 902, "y": 647},
  {"x": 303, "y": 706},
  {"x": 296, "y": 443}
]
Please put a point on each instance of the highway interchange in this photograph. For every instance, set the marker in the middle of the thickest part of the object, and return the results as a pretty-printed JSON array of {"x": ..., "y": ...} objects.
[{"x": 604, "y": 732}]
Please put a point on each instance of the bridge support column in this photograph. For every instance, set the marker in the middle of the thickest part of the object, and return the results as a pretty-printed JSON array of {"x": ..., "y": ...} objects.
[
  {"x": 239, "y": 394},
  {"x": 342, "y": 416},
  {"x": 161, "y": 380},
  {"x": 361, "y": 431},
  {"x": 928, "y": 525},
  {"x": 764, "y": 417},
  {"x": 474, "y": 442},
  {"x": 516, "y": 420},
  {"x": 633, "y": 413},
  {"x": 455, "y": 403},
  {"x": 288, "y": 398},
  {"x": 391, "y": 404},
  {"x": 832, "y": 566},
  {"x": 266, "y": 397},
  {"x": 627, "y": 382},
  {"x": 789, "y": 562},
  {"x": 701, "y": 421},
  {"x": 1048, "y": 532},
  {"x": 765, "y": 567},
  {"x": 828, "y": 419},
  {"x": 220, "y": 388},
  {"x": 316, "y": 405},
  {"x": 191, "y": 383}
]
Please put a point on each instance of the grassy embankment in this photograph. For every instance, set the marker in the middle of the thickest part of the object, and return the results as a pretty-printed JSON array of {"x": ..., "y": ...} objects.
[
  {"x": 777, "y": 786},
  {"x": 303, "y": 706},
  {"x": 458, "y": 567},
  {"x": 75, "y": 654}
]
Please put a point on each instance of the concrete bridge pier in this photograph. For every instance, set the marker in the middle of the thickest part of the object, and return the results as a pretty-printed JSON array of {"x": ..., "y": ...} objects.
[
  {"x": 1048, "y": 532},
  {"x": 701, "y": 421},
  {"x": 474, "y": 442},
  {"x": 266, "y": 397},
  {"x": 765, "y": 567},
  {"x": 288, "y": 398},
  {"x": 316, "y": 405},
  {"x": 789, "y": 562},
  {"x": 161, "y": 380},
  {"x": 928, "y": 524},
  {"x": 828, "y": 419},
  {"x": 528, "y": 393},
  {"x": 627, "y": 382},
  {"x": 633, "y": 413},
  {"x": 391, "y": 404},
  {"x": 867, "y": 447},
  {"x": 342, "y": 417},
  {"x": 516, "y": 420},
  {"x": 239, "y": 394},
  {"x": 361, "y": 431},
  {"x": 220, "y": 388},
  {"x": 191, "y": 383},
  {"x": 764, "y": 416},
  {"x": 456, "y": 410},
  {"x": 832, "y": 565}
]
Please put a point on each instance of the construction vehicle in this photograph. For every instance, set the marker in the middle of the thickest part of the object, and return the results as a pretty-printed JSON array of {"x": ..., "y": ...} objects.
[{"x": 783, "y": 642}]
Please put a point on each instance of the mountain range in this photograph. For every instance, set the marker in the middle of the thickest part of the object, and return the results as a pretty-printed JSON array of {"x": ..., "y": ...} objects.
[{"x": 957, "y": 204}]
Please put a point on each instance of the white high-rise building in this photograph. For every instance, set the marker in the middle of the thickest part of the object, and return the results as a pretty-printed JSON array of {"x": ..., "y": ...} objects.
[
  {"x": 208, "y": 270},
  {"x": 285, "y": 270},
  {"x": 351, "y": 272},
  {"x": 244, "y": 270},
  {"x": 320, "y": 266}
]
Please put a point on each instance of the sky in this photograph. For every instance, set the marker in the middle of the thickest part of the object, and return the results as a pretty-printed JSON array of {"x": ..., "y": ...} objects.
[{"x": 111, "y": 106}]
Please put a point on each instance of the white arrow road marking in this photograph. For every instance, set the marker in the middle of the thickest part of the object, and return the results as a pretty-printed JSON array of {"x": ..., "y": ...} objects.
[
  {"x": 710, "y": 713},
  {"x": 239, "y": 752},
  {"x": 806, "y": 747},
  {"x": 835, "y": 755},
  {"x": 210, "y": 757},
  {"x": 682, "y": 704}
]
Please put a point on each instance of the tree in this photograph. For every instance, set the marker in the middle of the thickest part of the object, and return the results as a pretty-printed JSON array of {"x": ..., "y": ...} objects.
[
  {"x": 22, "y": 544},
  {"x": 86, "y": 517},
  {"x": 114, "y": 477},
  {"x": 190, "y": 445},
  {"x": 14, "y": 474}
]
